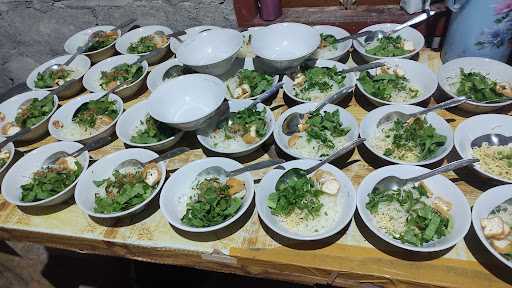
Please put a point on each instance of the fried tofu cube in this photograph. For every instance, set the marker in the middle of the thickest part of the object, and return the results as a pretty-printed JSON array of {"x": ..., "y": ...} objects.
[
  {"x": 243, "y": 92},
  {"x": 299, "y": 80},
  {"x": 151, "y": 174},
  {"x": 103, "y": 121},
  {"x": 442, "y": 206},
  {"x": 504, "y": 89},
  {"x": 67, "y": 163},
  {"x": 57, "y": 124},
  {"x": 502, "y": 246},
  {"x": 493, "y": 226},
  {"x": 235, "y": 186},
  {"x": 251, "y": 137},
  {"x": 4, "y": 154},
  {"x": 327, "y": 181},
  {"x": 293, "y": 139}
]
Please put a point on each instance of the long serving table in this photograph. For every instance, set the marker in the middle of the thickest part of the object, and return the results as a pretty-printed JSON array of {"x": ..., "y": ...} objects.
[{"x": 349, "y": 259}]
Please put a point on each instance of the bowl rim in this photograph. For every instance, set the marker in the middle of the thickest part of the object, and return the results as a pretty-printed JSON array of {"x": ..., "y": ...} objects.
[
  {"x": 175, "y": 44},
  {"x": 334, "y": 228},
  {"x": 366, "y": 122},
  {"x": 162, "y": 166},
  {"x": 125, "y": 117},
  {"x": 156, "y": 71},
  {"x": 93, "y": 29},
  {"x": 408, "y": 55},
  {"x": 269, "y": 116},
  {"x": 87, "y": 97},
  {"x": 166, "y": 189},
  {"x": 136, "y": 31},
  {"x": 441, "y": 76},
  {"x": 383, "y": 235},
  {"x": 413, "y": 101},
  {"x": 33, "y": 73},
  {"x": 37, "y": 151}
]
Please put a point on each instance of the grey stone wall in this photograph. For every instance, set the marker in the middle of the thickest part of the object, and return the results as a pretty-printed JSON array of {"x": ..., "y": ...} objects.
[{"x": 33, "y": 32}]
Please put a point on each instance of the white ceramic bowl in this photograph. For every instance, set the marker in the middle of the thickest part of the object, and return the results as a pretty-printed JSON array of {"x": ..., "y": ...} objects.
[
  {"x": 10, "y": 148},
  {"x": 419, "y": 75},
  {"x": 65, "y": 116},
  {"x": 155, "y": 76},
  {"x": 285, "y": 45},
  {"x": 340, "y": 49},
  {"x": 190, "y": 32},
  {"x": 133, "y": 36},
  {"x": 476, "y": 126},
  {"x": 79, "y": 66},
  {"x": 175, "y": 192},
  {"x": 369, "y": 129},
  {"x": 449, "y": 76},
  {"x": 346, "y": 198},
  {"x": 235, "y": 106},
  {"x": 102, "y": 169},
  {"x": 407, "y": 33},
  {"x": 21, "y": 173},
  {"x": 186, "y": 100},
  {"x": 485, "y": 203},
  {"x": 81, "y": 38},
  {"x": 212, "y": 51},
  {"x": 92, "y": 78},
  {"x": 439, "y": 185},
  {"x": 10, "y": 108},
  {"x": 347, "y": 119},
  {"x": 128, "y": 124},
  {"x": 350, "y": 80}
]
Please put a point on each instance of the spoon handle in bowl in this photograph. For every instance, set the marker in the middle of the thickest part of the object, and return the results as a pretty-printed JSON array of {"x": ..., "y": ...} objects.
[
  {"x": 15, "y": 136},
  {"x": 363, "y": 67},
  {"x": 331, "y": 99},
  {"x": 155, "y": 52},
  {"x": 446, "y": 168},
  {"x": 168, "y": 155},
  {"x": 124, "y": 24},
  {"x": 265, "y": 95},
  {"x": 444, "y": 105},
  {"x": 336, "y": 154},
  {"x": 413, "y": 21},
  {"x": 353, "y": 36},
  {"x": 91, "y": 146},
  {"x": 255, "y": 166}
]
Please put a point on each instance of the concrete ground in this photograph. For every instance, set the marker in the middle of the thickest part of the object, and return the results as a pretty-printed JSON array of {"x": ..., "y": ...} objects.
[{"x": 34, "y": 266}]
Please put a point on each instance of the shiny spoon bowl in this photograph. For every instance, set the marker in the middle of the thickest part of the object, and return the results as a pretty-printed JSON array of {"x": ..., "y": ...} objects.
[
  {"x": 224, "y": 174},
  {"x": 491, "y": 139},
  {"x": 133, "y": 163}
]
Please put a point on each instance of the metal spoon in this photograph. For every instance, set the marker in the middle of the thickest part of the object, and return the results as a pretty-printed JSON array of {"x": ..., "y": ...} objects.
[
  {"x": 223, "y": 174},
  {"x": 378, "y": 34},
  {"x": 394, "y": 182},
  {"x": 265, "y": 95},
  {"x": 309, "y": 64},
  {"x": 493, "y": 139},
  {"x": 353, "y": 36},
  {"x": 134, "y": 163},
  {"x": 9, "y": 139},
  {"x": 173, "y": 72},
  {"x": 53, "y": 158},
  {"x": 177, "y": 34},
  {"x": 391, "y": 116},
  {"x": 292, "y": 121},
  {"x": 294, "y": 172}
]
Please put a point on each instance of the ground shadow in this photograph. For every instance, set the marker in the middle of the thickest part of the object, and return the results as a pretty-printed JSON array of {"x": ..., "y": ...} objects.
[{"x": 47, "y": 210}]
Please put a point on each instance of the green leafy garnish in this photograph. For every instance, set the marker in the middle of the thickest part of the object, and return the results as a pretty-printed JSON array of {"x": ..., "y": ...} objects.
[
  {"x": 212, "y": 206},
  {"x": 35, "y": 112},
  {"x": 388, "y": 46},
  {"x": 299, "y": 193},
  {"x": 154, "y": 131},
  {"x": 87, "y": 115},
  {"x": 502, "y": 155},
  {"x": 423, "y": 224},
  {"x": 327, "y": 40},
  {"x": 478, "y": 87},
  {"x": 3, "y": 162},
  {"x": 321, "y": 79},
  {"x": 120, "y": 74},
  {"x": 323, "y": 127},
  {"x": 416, "y": 137},
  {"x": 143, "y": 45},
  {"x": 241, "y": 123},
  {"x": 384, "y": 86},
  {"x": 52, "y": 78},
  {"x": 122, "y": 192},
  {"x": 102, "y": 40},
  {"x": 258, "y": 82},
  {"x": 49, "y": 182}
]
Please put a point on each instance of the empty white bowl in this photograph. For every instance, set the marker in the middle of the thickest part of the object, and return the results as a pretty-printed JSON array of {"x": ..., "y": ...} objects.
[
  {"x": 346, "y": 118},
  {"x": 155, "y": 77},
  {"x": 128, "y": 124},
  {"x": 80, "y": 38},
  {"x": 339, "y": 50},
  {"x": 369, "y": 130},
  {"x": 439, "y": 185},
  {"x": 485, "y": 203},
  {"x": 285, "y": 45},
  {"x": 11, "y": 106},
  {"x": 80, "y": 66},
  {"x": 21, "y": 173},
  {"x": 186, "y": 102},
  {"x": 85, "y": 189},
  {"x": 235, "y": 106},
  {"x": 476, "y": 126},
  {"x": 408, "y": 33},
  {"x": 350, "y": 80},
  {"x": 190, "y": 32},
  {"x": 176, "y": 191},
  {"x": 449, "y": 75},
  {"x": 346, "y": 198},
  {"x": 92, "y": 77},
  {"x": 133, "y": 36},
  {"x": 419, "y": 75},
  {"x": 210, "y": 52},
  {"x": 65, "y": 116}
]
